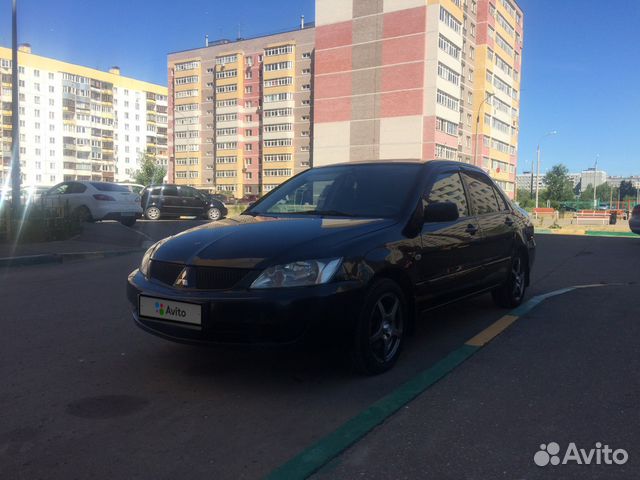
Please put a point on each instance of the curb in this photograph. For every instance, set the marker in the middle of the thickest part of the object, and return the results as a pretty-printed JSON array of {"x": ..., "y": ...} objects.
[
  {"x": 588, "y": 233},
  {"x": 29, "y": 260}
]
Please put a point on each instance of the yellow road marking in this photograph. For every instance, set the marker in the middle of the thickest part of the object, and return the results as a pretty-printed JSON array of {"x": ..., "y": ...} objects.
[{"x": 492, "y": 331}]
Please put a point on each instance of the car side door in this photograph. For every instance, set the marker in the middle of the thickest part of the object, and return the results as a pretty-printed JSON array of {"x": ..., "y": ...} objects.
[
  {"x": 76, "y": 196},
  {"x": 170, "y": 201},
  {"x": 449, "y": 257},
  {"x": 496, "y": 225},
  {"x": 191, "y": 201}
]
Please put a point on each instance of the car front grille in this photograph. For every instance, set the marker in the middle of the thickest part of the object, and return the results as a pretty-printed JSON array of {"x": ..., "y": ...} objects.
[
  {"x": 205, "y": 278},
  {"x": 218, "y": 278}
]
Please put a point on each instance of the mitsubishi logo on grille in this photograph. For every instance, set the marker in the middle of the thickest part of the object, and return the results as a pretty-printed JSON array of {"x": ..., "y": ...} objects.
[{"x": 183, "y": 279}]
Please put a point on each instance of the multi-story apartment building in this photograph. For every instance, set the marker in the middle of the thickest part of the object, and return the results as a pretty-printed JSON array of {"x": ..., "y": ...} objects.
[
  {"x": 240, "y": 112},
  {"x": 427, "y": 79},
  {"x": 78, "y": 123}
]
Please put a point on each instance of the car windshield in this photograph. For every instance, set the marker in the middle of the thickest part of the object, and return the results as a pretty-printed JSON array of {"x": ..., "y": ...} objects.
[{"x": 344, "y": 191}]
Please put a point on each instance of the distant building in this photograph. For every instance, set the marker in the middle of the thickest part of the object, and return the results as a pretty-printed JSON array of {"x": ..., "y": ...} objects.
[
  {"x": 615, "y": 181},
  {"x": 523, "y": 181},
  {"x": 592, "y": 177},
  {"x": 79, "y": 123},
  {"x": 240, "y": 112}
]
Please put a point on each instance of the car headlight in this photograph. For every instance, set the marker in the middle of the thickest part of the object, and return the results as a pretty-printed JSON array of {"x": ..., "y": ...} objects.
[
  {"x": 146, "y": 260},
  {"x": 298, "y": 274}
]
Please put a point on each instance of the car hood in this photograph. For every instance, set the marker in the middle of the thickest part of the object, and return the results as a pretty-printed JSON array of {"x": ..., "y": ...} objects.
[{"x": 254, "y": 242}]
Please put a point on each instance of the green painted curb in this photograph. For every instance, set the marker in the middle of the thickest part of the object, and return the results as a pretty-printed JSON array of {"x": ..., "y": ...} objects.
[
  {"x": 595, "y": 233},
  {"x": 313, "y": 458}
]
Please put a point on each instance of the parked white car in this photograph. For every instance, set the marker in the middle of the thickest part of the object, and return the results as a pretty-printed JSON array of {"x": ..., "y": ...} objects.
[{"x": 92, "y": 201}]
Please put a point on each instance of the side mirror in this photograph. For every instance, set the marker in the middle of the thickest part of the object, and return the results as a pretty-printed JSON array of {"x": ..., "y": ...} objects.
[{"x": 441, "y": 212}]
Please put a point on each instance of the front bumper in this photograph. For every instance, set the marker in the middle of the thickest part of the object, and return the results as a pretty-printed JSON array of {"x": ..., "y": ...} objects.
[{"x": 254, "y": 317}]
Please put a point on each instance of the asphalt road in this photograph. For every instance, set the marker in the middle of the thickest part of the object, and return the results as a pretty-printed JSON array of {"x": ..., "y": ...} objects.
[{"x": 88, "y": 395}]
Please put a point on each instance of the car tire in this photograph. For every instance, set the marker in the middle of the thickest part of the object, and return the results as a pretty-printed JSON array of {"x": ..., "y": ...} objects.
[
  {"x": 380, "y": 330},
  {"x": 214, "y": 214},
  {"x": 83, "y": 214},
  {"x": 128, "y": 222},
  {"x": 152, "y": 213},
  {"x": 512, "y": 292}
]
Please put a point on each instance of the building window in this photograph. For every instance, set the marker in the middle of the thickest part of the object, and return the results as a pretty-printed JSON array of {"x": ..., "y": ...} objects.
[
  {"x": 226, "y": 59},
  {"x": 446, "y": 126},
  {"x": 281, "y": 50},
  {"x": 448, "y": 101},
  {"x": 449, "y": 47},
  {"x": 186, "y": 80},
  {"x": 271, "y": 67},
  {"x": 448, "y": 74},
  {"x": 450, "y": 20}
]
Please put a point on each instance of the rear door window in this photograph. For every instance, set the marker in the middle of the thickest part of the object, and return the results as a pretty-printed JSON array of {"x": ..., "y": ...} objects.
[
  {"x": 75, "y": 187},
  {"x": 110, "y": 187},
  {"x": 170, "y": 191},
  {"x": 448, "y": 188}
]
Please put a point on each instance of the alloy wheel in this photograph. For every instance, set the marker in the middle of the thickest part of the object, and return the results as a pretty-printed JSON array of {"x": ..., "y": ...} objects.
[
  {"x": 518, "y": 277},
  {"x": 386, "y": 327}
]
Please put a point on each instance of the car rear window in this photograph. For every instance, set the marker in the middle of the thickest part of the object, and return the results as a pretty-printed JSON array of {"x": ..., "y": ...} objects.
[{"x": 109, "y": 187}]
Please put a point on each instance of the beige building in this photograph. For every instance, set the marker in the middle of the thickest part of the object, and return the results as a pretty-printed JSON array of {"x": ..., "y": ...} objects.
[
  {"x": 79, "y": 123},
  {"x": 240, "y": 112}
]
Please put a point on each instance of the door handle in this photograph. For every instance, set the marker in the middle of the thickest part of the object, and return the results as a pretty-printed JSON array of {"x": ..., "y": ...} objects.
[
  {"x": 509, "y": 222},
  {"x": 471, "y": 229}
]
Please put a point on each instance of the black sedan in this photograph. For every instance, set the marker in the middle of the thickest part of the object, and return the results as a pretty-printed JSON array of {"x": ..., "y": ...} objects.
[
  {"x": 357, "y": 251},
  {"x": 173, "y": 201}
]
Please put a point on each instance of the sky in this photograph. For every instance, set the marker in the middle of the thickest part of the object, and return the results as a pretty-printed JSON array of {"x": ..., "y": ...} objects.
[{"x": 581, "y": 64}]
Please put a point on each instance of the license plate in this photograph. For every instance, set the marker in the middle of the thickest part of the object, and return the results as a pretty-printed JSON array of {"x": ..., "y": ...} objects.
[{"x": 163, "y": 309}]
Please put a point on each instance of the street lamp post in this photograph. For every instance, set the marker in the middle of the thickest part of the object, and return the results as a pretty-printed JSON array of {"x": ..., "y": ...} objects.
[
  {"x": 554, "y": 132},
  {"x": 15, "y": 123},
  {"x": 595, "y": 183},
  {"x": 488, "y": 97}
]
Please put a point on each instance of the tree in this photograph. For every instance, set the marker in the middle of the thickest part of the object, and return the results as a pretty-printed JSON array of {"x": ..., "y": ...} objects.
[
  {"x": 524, "y": 198},
  {"x": 559, "y": 186},
  {"x": 150, "y": 173},
  {"x": 603, "y": 193},
  {"x": 628, "y": 191}
]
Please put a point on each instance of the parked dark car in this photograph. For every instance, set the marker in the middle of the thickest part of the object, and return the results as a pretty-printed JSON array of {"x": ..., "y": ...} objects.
[
  {"x": 634, "y": 220},
  {"x": 172, "y": 201},
  {"x": 356, "y": 250}
]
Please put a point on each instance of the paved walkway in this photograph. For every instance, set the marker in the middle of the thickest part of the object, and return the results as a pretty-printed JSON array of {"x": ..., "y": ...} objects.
[{"x": 95, "y": 237}]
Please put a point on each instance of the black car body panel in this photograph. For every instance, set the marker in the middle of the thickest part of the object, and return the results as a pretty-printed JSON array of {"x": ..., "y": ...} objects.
[{"x": 434, "y": 263}]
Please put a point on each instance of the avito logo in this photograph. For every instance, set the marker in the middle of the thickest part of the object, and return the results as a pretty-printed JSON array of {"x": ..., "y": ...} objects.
[
  {"x": 162, "y": 310},
  {"x": 549, "y": 455}
]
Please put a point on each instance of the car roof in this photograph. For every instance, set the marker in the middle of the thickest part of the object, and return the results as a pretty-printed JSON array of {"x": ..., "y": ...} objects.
[{"x": 431, "y": 163}]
